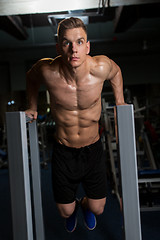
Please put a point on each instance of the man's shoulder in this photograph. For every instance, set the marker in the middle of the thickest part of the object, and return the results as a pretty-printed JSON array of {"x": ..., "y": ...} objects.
[
  {"x": 101, "y": 60},
  {"x": 48, "y": 61},
  {"x": 45, "y": 64},
  {"x": 100, "y": 65}
]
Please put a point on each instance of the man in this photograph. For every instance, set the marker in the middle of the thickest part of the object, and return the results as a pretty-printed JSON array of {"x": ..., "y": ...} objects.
[{"x": 75, "y": 81}]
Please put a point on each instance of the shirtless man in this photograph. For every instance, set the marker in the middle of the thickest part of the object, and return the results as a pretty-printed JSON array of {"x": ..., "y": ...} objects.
[{"x": 75, "y": 81}]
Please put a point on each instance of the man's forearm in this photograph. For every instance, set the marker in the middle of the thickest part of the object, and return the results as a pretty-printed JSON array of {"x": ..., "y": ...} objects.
[
  {"x": 32, "y": 94},
  {"x": 117, "y": 86}
]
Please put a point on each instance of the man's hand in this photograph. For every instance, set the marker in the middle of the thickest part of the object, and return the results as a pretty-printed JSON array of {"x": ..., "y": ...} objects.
[{"x": 31, "y": 114}]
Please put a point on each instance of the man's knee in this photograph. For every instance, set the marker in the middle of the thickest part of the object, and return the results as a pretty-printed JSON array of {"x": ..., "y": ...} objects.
[
  {"x": 97, "y": 206},
  {"x": 66, "y": 210},
  {"x": 99, "y": 210}
]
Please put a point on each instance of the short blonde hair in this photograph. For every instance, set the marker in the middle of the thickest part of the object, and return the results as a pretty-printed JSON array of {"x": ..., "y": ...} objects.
[{"x": 69, "y": 23}]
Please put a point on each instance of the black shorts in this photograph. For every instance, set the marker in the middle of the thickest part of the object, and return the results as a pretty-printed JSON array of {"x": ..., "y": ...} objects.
[{"x": 72, "y": 166}]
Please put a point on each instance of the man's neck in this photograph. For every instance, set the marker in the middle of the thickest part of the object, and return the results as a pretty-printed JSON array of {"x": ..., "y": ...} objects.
[{"x": 75, "y": 74}]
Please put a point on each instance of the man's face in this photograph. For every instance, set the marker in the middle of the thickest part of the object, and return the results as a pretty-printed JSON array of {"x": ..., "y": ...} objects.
[{"x": 74, "y": 47}]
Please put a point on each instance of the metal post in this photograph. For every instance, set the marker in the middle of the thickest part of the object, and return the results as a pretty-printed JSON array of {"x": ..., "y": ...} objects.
[
  {"x": 19, "y": 176},
  {"x": 23, "y": 216},
  {"x": 129, "y": 176},
  {"x": 36, "y": 183}
]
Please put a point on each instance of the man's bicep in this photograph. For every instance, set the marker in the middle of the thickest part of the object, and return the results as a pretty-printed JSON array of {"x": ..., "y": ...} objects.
[
  {"x": 109, "y": 68},
  {"x": 33, "y": 76},
  {"x": 114, "y": 69}
]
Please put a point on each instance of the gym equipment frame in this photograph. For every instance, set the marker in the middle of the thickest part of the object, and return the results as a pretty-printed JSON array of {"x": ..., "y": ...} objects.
[
  {"x": 20, "y": 184},
  {"x": 27, "y": 217},
  {"x": 129, "y": 175}
]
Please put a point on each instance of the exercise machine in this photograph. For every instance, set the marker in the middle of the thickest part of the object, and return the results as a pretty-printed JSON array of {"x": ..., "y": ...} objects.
[
  {"x": 24, "y": 216},
  {"x": 25, "y": 185}
]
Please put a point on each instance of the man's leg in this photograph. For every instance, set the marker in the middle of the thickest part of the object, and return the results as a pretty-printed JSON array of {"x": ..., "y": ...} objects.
[
  {"x": 69, "y": 213},
  {"x": 92, "y": 207},
  {"x": 66, "y": 210}
]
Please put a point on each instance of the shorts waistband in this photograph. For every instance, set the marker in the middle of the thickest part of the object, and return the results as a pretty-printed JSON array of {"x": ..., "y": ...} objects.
[{"x": 78, "y": 149}]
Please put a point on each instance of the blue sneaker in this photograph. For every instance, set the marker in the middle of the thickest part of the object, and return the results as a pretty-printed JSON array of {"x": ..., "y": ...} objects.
[
  {"x": 89, "y": 219},
  {"x": 71, "y": 222}
]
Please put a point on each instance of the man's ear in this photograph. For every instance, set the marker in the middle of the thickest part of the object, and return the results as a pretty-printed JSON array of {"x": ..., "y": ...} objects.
[
  {"x": 58, "y": 49},
  {"x": 88, "y": 47}
]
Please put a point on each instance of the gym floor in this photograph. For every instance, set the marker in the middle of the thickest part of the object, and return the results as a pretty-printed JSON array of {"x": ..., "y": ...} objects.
[{"x": 109, "y": 225}]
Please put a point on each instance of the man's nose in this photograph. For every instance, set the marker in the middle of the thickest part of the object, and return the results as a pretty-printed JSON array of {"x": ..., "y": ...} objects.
[{"x": 74, "y": 47}]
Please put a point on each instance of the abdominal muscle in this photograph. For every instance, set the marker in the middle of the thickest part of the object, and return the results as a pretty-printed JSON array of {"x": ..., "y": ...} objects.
[
  {"x": 77, "y": 137},
  {"x": 77, "y": 128}
]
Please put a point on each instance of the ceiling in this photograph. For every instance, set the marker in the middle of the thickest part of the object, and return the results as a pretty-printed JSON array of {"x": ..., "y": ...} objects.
[{"x": 123, "y": 22}]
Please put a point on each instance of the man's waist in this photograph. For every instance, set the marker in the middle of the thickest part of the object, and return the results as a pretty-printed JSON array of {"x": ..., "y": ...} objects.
[
  {"x": 77, "y": 136},
  {"x": 72, "y": 145}
]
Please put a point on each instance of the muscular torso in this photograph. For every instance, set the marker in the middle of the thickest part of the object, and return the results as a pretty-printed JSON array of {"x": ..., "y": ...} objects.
[{"x": 75, "y": 105}]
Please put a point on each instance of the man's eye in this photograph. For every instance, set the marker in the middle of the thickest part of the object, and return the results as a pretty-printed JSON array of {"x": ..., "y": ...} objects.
[
  {"x": 66, "y": 43},
  {"x": 80, "y": 42}
]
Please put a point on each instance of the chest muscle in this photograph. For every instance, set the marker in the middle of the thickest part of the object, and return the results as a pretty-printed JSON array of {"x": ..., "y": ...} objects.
[{"x": 76, "y": 97}]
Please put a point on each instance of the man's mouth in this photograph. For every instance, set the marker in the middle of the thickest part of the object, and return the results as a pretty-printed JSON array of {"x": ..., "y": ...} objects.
[{"x": 74, "y": 58}]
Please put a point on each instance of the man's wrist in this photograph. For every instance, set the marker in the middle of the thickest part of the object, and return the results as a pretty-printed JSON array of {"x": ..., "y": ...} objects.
[
  {"x": 33, "y": 108},
  {"x": 120, "y": 102}
]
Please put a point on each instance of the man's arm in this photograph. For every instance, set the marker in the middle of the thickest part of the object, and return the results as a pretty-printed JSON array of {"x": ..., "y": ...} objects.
[
  {"x": 116, "y": 80},
  {"x": 32, "y": 86},
  {"x": 109, "y": 70}
]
